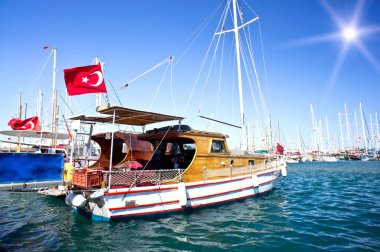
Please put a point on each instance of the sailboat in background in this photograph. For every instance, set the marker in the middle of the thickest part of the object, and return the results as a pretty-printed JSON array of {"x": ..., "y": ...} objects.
[
  {"x": 368, "y": 153},
  {"x": 181, "y": 169},
  {"x": 41, "y": 165}
]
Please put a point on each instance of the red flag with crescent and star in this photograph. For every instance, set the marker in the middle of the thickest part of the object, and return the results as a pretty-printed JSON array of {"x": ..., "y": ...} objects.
[
  {"x": 84, "y": 80},
  {"x": 31, "y": 123}
]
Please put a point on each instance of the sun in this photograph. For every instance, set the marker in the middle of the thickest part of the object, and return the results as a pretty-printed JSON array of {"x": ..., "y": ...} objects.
[{"x": 350, "y": 34}]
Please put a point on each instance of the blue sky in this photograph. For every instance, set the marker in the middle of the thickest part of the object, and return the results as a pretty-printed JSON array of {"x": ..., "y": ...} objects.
[{"x": 132, "y": 36}]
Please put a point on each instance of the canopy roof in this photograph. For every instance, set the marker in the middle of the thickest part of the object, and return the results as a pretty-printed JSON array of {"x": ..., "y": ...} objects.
[
  {"x": 127, "y": 116},
  {"x": 35, "y": 134}
]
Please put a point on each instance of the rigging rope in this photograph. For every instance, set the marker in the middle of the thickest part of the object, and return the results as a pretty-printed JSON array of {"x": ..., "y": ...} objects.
[
  {"x": 171, "y": 87},
  {"x": 150, "y": 158},
  {"x": 159, "y": 86},
  {"x": 205, "y": 58},
  {"x": 43, "y": 67}
]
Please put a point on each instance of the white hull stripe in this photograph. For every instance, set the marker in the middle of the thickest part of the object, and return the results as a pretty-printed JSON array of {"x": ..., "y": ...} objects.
[
  {"x": 146, "y": 213},
  {"x": 163, "y": 203},
  {"x": 156, "y": 189}
]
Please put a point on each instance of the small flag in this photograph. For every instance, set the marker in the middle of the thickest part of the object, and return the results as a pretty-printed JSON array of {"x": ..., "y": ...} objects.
[
  {"x": 31, "y": 123},
  {"x": 46, "y": 47}
]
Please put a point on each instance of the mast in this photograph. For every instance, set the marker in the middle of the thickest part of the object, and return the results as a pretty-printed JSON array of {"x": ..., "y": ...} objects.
[
  {"x": 347, "y": 124},
  {"x": 19, "y": 107},
  {"x": 314, "y": 127},
  {"x": 363, "y": 127},
  {"x": 377, "y": 137},
  {"x": 237, "y": 45},
  {"x": 18, "y": 148},
  {"x": 299, "y": 139},
  {"x": 40, "y": 116},
  {"x": 26, "y": 110},
  {"x": 253, "y": 134},
  {"x": 320, "y": 135},
  {"x": 357, "y": 128},
  {"x": 372, "y": 133},
  {"x": 328, "y": 135},
  {"x": 54, "y": 97},
  {"x": 341, "y": 132},
  {"x": 98, "y": 99}
]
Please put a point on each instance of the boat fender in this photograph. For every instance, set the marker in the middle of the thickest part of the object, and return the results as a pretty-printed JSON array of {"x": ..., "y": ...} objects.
[
  {"x": 67, "y": 172},
  {"x": 255, "y": 180},
  {"x": 98, "y": 193},
  {"x": 182, "y": 194},
  {"x": 75, "y": 200},
  {"x": 284, "y": 172}
]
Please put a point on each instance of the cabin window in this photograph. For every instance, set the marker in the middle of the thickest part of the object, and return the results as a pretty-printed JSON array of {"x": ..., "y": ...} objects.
[
  {"x": 251, "y": 162},
  {"x": 217, "y": 146},
  {"x": 189, "y": 146},
  {"x": 124, "y": 149},
  {"x": 176, "y": 154}
]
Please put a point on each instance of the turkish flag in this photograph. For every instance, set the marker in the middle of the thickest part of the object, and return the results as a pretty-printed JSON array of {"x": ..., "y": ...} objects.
[
  {"x": 31, "y": 123},
  {"x": 84, "y": 80}
]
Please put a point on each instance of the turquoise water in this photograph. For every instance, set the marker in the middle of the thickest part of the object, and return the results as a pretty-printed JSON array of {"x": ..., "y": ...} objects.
[{"x": 319, "y": 206}]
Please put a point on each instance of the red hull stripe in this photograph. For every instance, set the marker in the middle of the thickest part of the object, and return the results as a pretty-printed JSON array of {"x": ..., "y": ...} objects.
[
  {"x": 229, "y": 200},
  {"x": 144, "y": 205},
  {"x": 175, "y": 187},
  {"x": 195, "y": 198},
  {"x": 224, "y": 181},
  {"x": 142, "y": 191},
  {"x": 232, "y": 191},
  {"x": 147, "y": 213}
]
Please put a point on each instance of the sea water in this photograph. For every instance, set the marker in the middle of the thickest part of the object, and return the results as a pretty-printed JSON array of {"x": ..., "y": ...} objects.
[{"x": 319, "y": 206}]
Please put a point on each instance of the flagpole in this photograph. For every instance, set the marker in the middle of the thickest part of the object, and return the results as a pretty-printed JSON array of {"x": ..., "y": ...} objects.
[
  {"x": 18, "y": 148},
  {"x": 54, "y": 97},
  {"x": 40, "y": 116}
]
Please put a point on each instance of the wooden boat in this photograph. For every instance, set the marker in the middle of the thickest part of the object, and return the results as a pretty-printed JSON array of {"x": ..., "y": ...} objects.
[
  {"x": 179, "y": 168},
  {"x": 183, "y": 168}
]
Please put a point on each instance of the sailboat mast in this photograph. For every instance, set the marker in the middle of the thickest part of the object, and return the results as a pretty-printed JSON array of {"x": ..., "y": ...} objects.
[
  {"x": 98, "y": 97},
  {"x": 347, "y": 124},
  {"x": 341, "y": 132},
  {"x": 298, "y": 138},
  {"x": 372, "y": 133},
  {"x": 54, "y": 97},
  {"x": 377, "y": 137},
  {"x": 18, "y": 149},
  {"x": 19, "y": 106},
  {"x": 328, "y": 135},
  {"x": 236, "y": 31},
  {"x": 363, "y": 127},
  {"x": 314, "y": 127},
  {"x": 357, "y": 128}
]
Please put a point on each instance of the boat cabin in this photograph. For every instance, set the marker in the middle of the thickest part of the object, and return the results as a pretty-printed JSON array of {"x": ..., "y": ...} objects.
[{"x": 164, "y": 155}]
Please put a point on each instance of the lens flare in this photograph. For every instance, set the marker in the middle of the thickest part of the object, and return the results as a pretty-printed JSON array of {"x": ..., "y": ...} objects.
[{"x": 350, "y": 34}]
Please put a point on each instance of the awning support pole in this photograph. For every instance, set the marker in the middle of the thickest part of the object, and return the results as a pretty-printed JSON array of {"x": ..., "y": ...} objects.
[{"x": 111, "y": 155}]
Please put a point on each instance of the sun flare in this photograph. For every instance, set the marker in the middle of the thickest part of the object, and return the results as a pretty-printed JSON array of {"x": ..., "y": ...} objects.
[{"x": 350, "y": 34}]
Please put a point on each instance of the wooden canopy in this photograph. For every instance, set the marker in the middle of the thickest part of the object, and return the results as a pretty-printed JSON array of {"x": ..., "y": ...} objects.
[{"x": 126, "y": 116}]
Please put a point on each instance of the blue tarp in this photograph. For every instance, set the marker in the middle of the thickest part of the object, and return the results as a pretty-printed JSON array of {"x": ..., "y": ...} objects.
[{"x": 30, "y": 167}]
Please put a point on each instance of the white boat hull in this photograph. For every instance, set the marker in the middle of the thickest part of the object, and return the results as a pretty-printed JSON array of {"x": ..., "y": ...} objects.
[{"x": 156, "y": 200}]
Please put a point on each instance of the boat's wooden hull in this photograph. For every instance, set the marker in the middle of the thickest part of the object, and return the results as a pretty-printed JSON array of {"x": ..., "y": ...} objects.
[{"x": 157, "y": 200}]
